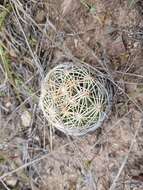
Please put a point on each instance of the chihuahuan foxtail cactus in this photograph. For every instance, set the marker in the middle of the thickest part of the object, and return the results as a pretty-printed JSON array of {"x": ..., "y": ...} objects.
[{"x": 75, "y": 99}]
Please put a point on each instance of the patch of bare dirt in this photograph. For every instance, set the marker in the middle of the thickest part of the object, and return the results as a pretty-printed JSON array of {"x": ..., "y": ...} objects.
[{"x": 36, "y": 35}]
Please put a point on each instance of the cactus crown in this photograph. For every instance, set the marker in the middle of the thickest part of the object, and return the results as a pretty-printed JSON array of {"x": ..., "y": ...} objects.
[{"x": 75, "y": 99}]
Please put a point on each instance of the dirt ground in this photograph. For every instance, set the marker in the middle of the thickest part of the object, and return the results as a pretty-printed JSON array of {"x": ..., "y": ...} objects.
[{"x": 36, "y": 35}]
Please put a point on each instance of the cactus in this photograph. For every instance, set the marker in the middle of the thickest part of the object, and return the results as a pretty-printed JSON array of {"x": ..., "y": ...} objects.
[{"x": 75, "y": 98}]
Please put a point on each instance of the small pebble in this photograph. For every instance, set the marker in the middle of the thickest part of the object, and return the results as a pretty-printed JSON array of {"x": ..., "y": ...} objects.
[
  {"x": 26, "y": 119},
  {"x": 11, "y": 181}
]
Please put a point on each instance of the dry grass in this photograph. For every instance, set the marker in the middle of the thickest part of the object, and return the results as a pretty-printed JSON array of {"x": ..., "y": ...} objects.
[{"x": 34, "y": 37}]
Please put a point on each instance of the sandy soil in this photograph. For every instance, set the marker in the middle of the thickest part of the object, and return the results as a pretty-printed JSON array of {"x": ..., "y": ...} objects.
[{"x": 35, "y": 36}]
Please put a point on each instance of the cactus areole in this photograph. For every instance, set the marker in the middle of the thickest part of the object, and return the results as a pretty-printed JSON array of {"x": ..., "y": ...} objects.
[{"x": 75, "y": 98}]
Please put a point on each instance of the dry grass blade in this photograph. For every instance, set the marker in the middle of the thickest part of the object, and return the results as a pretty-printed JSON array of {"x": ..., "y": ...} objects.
[
  {"x": 35, "y": 58},
  {"x": 30, "y": 163},
  {"x": 6, "y": 187},
  {"x": 34, "y": 37},
  {"x": 67, "y": 6}
]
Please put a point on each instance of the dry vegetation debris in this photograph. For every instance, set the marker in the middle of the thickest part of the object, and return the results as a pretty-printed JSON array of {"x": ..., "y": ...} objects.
[{"x": 35, "y": 35}]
